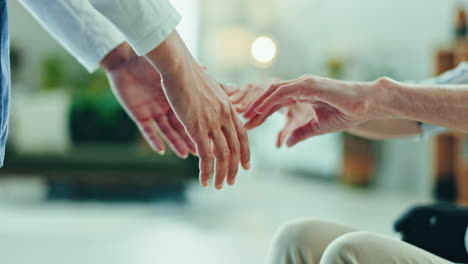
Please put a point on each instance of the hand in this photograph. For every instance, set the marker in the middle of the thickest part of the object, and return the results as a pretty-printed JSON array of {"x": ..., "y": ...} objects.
[
  {"x": 297, "y": 115},
  {"x": 204, "y": 109},
  {"x": 338, "y": 105},
  {"x": 137, "y": 86}
]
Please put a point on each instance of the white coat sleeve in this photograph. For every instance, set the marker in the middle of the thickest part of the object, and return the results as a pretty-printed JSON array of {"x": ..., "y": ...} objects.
[
  {"x": 84, "y": 32},
  {"x": 145, "y": 23}
]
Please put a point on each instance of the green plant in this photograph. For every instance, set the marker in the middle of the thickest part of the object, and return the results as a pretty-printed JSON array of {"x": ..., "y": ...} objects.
[{"x": 53, "y": 73}]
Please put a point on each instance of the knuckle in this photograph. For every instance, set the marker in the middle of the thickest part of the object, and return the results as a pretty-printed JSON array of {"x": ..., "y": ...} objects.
[
  {"x": 235, "y": 149},
  {"x": 206, "y": 156},
  {"x": 226, "y": 111},
  {"x": 223, "y": 155},
  {"x": 310, "y": 79},
  {"x": 274, "y": 86}
]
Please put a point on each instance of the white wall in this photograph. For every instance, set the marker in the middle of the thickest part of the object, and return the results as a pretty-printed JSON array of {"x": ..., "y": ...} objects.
[
  {"x": 399, "y": 34},
  {"x": 188, "y": 27}
]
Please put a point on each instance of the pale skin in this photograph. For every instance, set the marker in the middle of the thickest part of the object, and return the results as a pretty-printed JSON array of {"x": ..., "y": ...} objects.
[
  {"x": 171, "y": 98},
  {"x": 137, "y": 86},
  {"x": 379, "y": 109},
  {"x": 299, "y": 114},
  {"x": 205, "y": 111}
]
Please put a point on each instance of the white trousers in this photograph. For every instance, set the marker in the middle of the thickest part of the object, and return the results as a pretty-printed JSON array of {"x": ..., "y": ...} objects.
[{"x": 318, "y": 242}]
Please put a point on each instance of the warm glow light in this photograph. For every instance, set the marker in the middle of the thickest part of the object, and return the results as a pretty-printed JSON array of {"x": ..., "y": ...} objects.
[{"x": 263, "y": 50}]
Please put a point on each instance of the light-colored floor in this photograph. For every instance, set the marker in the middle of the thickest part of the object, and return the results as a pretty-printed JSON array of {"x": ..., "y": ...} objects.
[{"x": 231, "y": 226}]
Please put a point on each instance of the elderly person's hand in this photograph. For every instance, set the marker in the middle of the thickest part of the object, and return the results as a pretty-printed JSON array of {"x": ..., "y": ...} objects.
[
  {"x": 242, "y": 97},
  {"x": 137, "y": 86},
  {"x": 338, "y": 105},
  {"x": 204, "y": 109}
]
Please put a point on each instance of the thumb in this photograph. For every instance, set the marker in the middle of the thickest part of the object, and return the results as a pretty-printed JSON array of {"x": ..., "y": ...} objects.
[
  {"x": 304, "y": 132},
  {"x": 281, "y": 137},
  {"x": 288, "y": 127}
]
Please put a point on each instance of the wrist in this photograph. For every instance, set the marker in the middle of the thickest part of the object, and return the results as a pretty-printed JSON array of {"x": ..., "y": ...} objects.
[
  {"x": 384, "y": 97},
  {"x": 118, "y": 57},
  {"x": 171, "y": 57}
]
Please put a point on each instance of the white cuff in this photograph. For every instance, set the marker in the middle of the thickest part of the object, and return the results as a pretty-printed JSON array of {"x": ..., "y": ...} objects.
[{"x": 156, "y": 37}]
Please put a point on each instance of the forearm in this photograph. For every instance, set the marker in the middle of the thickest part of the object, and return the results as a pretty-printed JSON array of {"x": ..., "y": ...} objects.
[
  {"x": 386, "y": 128},
  {"x": 442, "y": 105}
]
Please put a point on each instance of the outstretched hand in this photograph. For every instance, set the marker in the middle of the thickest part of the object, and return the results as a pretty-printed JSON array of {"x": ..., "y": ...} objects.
[
  {"x": 296, "y": 114},
  {"x": 204, "y": 109},
  {"x": 137, "y": 86},
  {"x": 337, "y": 105}
]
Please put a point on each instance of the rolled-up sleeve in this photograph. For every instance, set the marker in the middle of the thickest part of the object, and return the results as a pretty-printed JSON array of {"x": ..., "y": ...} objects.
[
  {"x": 84, "y": 32},
  {"x": 145, "y": 23}
]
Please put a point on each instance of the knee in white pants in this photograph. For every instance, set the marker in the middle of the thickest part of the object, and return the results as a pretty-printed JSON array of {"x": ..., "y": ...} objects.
[
  {"x": 293, "y": 242},
  {"x": 351, "y": 248}
]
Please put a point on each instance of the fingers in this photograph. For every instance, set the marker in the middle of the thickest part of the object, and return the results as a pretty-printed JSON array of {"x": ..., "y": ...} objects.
[
  {"x": 247, "y": 101},
  {"x": 283, "y": 134},
  {"x": 177, "y": 125},
  {"x": 239, "y": 96},
  {"x": 176, "y": 143},
  {"x": 259, "y": 119},
  {"x": 270, "y": 90},
  {"x": 151, "y": 136},
  {"x": 234, "y": 147},
  {"x": 312, "y": 128},
  {"x": 283, "y": 95},
  {"x": 243, "y": 139},
  {"x": 205, "y": 155},
  {"x": 230, "y": 89},
  {"x": 222, "y": 154}
]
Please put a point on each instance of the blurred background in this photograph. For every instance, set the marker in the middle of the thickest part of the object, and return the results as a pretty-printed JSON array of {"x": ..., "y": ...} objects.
[{"x": 80, "y": 186}]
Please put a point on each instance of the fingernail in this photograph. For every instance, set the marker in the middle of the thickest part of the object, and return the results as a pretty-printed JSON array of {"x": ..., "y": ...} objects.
[
  {"x": 219, "y": 186},
  {"x": 248, "y": 165}
]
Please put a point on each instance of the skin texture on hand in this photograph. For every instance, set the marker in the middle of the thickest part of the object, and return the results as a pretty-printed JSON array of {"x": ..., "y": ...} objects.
[
  {"x": 204, "y": 109},
  {"x": 297, "y": 114},
  {"x": 338, "y": 105},
  {"x": 137, "y": 86}
]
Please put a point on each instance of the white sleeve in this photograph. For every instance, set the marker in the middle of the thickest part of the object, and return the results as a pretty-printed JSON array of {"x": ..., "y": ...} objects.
[
  {"x": 145, "y": 23},
  {"x": 78, "y": 27}
]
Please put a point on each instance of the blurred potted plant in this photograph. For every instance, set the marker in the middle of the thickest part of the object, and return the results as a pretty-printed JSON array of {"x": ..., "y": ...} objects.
[
  {"x": 95, "y": 116},
  {"x": 40, "y": 120}
]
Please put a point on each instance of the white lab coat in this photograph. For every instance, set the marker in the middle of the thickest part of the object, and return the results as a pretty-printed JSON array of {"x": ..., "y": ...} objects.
[{"x": 90, "y": 29}]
